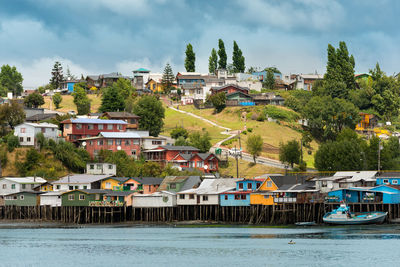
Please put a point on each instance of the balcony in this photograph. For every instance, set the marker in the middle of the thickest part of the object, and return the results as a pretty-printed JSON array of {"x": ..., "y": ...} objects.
[{"x": 285, "y": 199}]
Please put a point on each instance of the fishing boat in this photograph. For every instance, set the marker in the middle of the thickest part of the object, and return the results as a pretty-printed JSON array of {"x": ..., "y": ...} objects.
[{"x": 343, "y": 215}]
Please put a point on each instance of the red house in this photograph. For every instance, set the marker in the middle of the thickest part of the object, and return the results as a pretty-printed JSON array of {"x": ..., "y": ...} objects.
[
  {"x": 75, "y": 129},
  {"x": 229, "y": 88},
  {"x": 184, "y": 157},
  {"x": 130, "y": 142}
]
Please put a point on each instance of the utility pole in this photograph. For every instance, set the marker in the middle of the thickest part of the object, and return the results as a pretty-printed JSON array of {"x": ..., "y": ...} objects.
[
  {"x": 301, "y": 150},
  {"x": 379, "y": 156},
  {"x": 237, "y": 162},
  {"x": 240, "y": 145}
]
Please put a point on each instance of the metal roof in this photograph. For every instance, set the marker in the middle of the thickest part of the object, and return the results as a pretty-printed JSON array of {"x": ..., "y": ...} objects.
[
  {"x": 26, "y": 180},
  {"x": 119, "y": 193},
  {"x": 120, "y": 135},
  {"x": 120, "y": 114},
  {"x": 179, "y": 148},
  {"x": 81, "y": 178},
  {"x": 95, "y": 121},
  {"x": 213, "y": 186},
  {"x": 148, "y": 180},
  {"x": 41, "y": 125}
]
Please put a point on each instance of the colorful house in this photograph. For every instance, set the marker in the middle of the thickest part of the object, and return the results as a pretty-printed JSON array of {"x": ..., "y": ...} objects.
[
  {"x": 386, "y": 194},
  {"x": 241, "y": 195},
  {"x": 68, "y": 85},
  {"x": 229, "y": 89},
  {"x": 113, "y": 183},
  {"x": 22, "y": 199},
  {"x": 263, "y": 195},
  {"x": 119, "y": 198},
  {"x": 144, "y": 185},
  {"x": 155, "y": 86},
  {"x": 79, "y": 181},
  {"x": 388, "y": 179},
  {"x": 131, "y": 119},
  {"x": 155, "y": 200},
  {"x": 83, "y": 197}
]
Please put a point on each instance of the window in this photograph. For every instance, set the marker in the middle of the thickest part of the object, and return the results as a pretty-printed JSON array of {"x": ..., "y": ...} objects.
[
  {"x": 4, "y": 186},
  {"x": 110, "y": 142},
  {"x": 66, "y": 126},
  {"x": 85, "y": 187},
  {"x": 266, "y": 196},
  {"x": 385, "y": 181},
  {"x": 13, "y": 186},
  {"x": 43, "y": 130},
  {"x": 97, "y": 197},
  {"x": 395, "y": 181},
  {"x": 23, "y": 186},
  {"x": 99, "y": 166},
  {"x": 81, "y": 197},
  {"x": 237, "y": 197},
  {"x": 15, "y": 197},
  {"x": 100, "y": 126},
  {"x": 108, "y": 185},
  {"x": 90, "y": 126},
  {"x": 21, "y": 197},
  {"x": 71, "y": 197},
  {"x": 21, "y": 139},
  {"x": 76, "y": 186},
  {"x": 240, "y": 186},
  {"x": 133, "y": 152},
  {"x": 110, "y": 167},
  {"x": 118, "y": 142},
  {"x": 127, "y": 143},
  {"x": 226, "y": 197},
  {"x": 249, "y": 186},
  {"x": 156, "y": 142},
  {"x": 91, "y": 166},
  {"x": 109, "y": 126},
  {"x": 99, "y": 142},
  {"x": 119, "y": 127},
  {"x": 22, "y": 130},
  {"x": 269, "y": 183},
  {"x": 172, "y": 186},
  {"x": 258, "y": 185},
  {"x": 200, "y": 164},
  {"x": 135, "y": 141},
  {"x": 324, "y": 183},
  {"x": 243, "y": 196},
  {"x": 28, "y": 139},
  {"x": 205, "y": 198},
  {"x": 191, "y": 196},
  {"x": 78, "y": 126},
  {"x": 58, "y": 186},
  {"x": 71, "y": 187},
  {"x": 182, "y": 196}
]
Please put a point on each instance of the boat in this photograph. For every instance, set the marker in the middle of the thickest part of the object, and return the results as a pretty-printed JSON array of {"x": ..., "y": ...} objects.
[
  {"x": 291, "y": 242},
  {"x": 343, "y": 215},
  {"x": 305, "y": 223}
]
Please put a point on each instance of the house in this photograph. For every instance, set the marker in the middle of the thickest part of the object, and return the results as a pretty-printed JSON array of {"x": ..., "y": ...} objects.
[
  {"x": 267, "y": 99},
  {"x": 45, "y": 187},
  {"x": 241, "y": 195},
  {"x": 23, "y": 198},
  {"x": 303, "y": 81},
  {"x": 391, "y": 178},
  {"x": 118, "y": 198},
  {"x": 385, "y": 194},
  {"x": 367, "y": 124},
  {"x": 151, "y": 142},
  {"x": 155, "y": 85},
  {"x": 131, "y": 119},
  {"x": 101, "y": 168},
  {"x": 207, "y": 193},
  {"x": 68, "y": 85},
  {"x": 52, "y": 199},
  {"x": 112, "y": 183},
  {"x": 27, "y": 131},
  {"x": 75, "y": 129},
  {"x": 79, "y": 181},
  {"x": 104, "y": 80},
  {"x": 155, "y": 200},
  {"x": 304, "y": 192},
  {"x": 183, "y": 157},
  {"x": 33, "y": 111},
  {"x": 41, "y": 117},
  {"x": 263, "y": 195},
  {"x": 83, "y": 197},
  {"x": 229, "y": 88},
  {"x": 176, "y": 184},
  {"x": 345, "y": 180},
  {"x": 10, "y": 185},
  {"x": 143, "y": 185},
  {"x": 140, "y": 76},
  {"x": 239, "y": 98},
  {"x": 113, "y": 141}
]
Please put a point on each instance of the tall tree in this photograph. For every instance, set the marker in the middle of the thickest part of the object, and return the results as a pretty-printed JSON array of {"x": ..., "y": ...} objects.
[
  {"x": 112, "y": 99},
  {"x": 269, "y": 81},
  {"x": 151, "y": 112},
  {"x": 254, "y": 145},
  {"x": 167, "y": 78},
  {"x": 10, "y": 80},
  {"x": 218, "y": 100},
  {"x": 124, "y": 87},
  {"x": 213, "y": 62},
  {"x": 81, "y": 99},
  {"x": 34, "y": 100},
  {"x": 290, "y": 152},
  {"x": 69, "y": 75},
  {"x": 222, "y": 62},
  {"x": 57, "y": 99},
  {"x": 56, "y": 75},
  {"x": 11, "y": 114},
  {"x": 190, "y": 59},
  {"x": 238, "y": 59},
  {"x": 202, "y": 141}
]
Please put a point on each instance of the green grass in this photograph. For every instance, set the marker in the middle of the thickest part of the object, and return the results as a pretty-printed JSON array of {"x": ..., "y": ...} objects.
[
  {"x": 246, "y": 169},
  {"x": 67, "y": 103}
]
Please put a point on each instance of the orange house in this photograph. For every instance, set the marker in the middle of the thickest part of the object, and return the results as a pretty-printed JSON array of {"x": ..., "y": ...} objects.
[
  {"x": 264, "y": 195},
  {"x": 144, "y": 185}
]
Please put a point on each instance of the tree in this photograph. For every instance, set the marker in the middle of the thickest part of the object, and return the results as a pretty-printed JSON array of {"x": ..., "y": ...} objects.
[
  {"x": 41, "y": 141},
  {"x": 254, "y": 145},
  {"x": 112, "y": 99},
  {"x": 167, "y": 78},
  {"x": 12, "y": 143},
  {"x": 10, "y": 80},
  {"x": 238, "y": 59},
  {"x": 178, "y": 132},
  {"x": 269, "y": 81},
  {"x": 213, "y": 62},
  {"x": 202, "y": 141},
  {"x": 222, "y": 55},
  {"x": 273, "y": 69},
  {"x": 11, "y": 114},
  {"x": 252, "y": 69},
  {"x": 81, "y": 99},
  {"x": 56, "y": 75},
  {"x": 190, "y": 59},
  {"x": 290, "y": 152},
  {"x": 181, "y": 141},
  {"x": 57, "y": 99},
  {"x": 34, "y": 100},
  {"x": 151, "y": 112},
  {"x": 69, "y": 75},
  {"x": 218, "y": 100},
  {"x": 124, "y": 87}
]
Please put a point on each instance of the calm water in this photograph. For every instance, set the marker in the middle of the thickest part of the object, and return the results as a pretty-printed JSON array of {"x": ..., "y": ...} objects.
[{"x": 201, "y": 246}]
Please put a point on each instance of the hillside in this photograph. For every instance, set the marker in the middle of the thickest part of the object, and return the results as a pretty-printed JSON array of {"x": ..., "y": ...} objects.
[
  {"x": 246, "y": 169},
  {"x": 67, "y": 103}
]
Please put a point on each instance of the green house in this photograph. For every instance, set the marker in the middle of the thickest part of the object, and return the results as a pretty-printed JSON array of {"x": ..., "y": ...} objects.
[
  {"x": 239, "y": 96},
  {"x": 179, "y": 183},
  {"x": 22, "y": 199},
  {"x": 83, "y": 197}
]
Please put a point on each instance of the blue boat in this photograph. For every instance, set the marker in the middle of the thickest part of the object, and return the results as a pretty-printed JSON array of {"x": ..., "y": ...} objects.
[{"x": 342, "y": 215}]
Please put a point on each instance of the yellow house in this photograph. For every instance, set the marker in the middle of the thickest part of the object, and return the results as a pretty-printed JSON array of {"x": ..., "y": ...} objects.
[
  {"x": 154, "y": 86},
  {"x": 46, "y": 187},
  {"x": 113, "y": 183},
  {"x": 264, "y": 196}
]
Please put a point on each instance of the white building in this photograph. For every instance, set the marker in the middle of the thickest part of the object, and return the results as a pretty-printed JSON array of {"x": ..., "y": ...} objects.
[
  {"x": 26, "y": 132},
  {"x": 101, "y": 168},
  {"x": 79, "y": 181},
  {"x": 346, "y": 180},
  {"x": 10, "y": 185},
  {"x": 207, "y": 193},
  {"x": 157, "y": 199},
  {"x": 153, "y": 142},
  {"x": 52, "y": 199}
]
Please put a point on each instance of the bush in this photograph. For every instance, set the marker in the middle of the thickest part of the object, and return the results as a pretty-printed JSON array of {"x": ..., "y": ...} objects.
[
  {"x": 12, "y": 143},
  {"x": 244, "y": 132},
  {"x": 228, "y": 142},
  {"x": 249, "y": 130},
  {"x": 280, "y": 114},
  {"x": 261, "y": 117}
]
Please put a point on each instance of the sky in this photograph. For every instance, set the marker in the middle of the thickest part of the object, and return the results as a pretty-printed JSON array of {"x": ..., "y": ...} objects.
[{"x": 103, "y": 36}]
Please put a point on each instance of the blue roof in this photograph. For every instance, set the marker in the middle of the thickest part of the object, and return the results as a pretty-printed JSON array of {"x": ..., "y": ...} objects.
[
  {"x": 120, "y": 135},
  {"x": 98, "y": 121},
  {"x": 142, "y": 70}
]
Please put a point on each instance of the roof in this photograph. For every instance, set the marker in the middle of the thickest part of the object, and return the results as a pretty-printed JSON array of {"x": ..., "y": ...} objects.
[
  {"x": 53, "y": 193},
  {"x": 119, "y": 193},
  {"x": 188, "y": 182},
  {"x": 119, "y": 179},
  {"x": 389, "y": 175},
  {"x": 90, "y": 191},
  {"x": 40, "y": 117},
  {"x": 23, "y": 192},
  {"x": 81, "y": 178},
  {"x": 26, "y": 180},
  {"x": 238, "y": 92},
  {"x": 280, "y": 180},
  {"x": 229, "y": 85},
  {"x": 148, "y": 180},
  {"x": 141, "y": 70},
  {"x": 120, "y": 115},
  {"x": 94, "y": 121},
  {"x": 358, "y": 175},
  {"x": 39, "y": 125},
  {"x": 120, "y": 135},
  {"x": 213, "y": 186},
  {"x": 180, "y": 148}
]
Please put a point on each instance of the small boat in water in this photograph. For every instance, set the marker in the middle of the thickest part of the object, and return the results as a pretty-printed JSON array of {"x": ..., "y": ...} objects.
[
  {"x": 291, "y": 242},
  {"x": 305, "y": 224},
  {"x": 342, "y": 215}
]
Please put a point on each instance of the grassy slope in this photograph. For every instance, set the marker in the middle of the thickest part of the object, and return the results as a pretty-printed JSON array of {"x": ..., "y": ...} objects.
[
  {"x": 271, "y": 132},
  {"x": 67, "y": 103},
  {"x": 247, "y": 169}
]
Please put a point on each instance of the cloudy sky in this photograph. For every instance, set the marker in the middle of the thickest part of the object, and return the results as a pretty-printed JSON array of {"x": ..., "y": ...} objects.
[{"x": 102, "y": 36}]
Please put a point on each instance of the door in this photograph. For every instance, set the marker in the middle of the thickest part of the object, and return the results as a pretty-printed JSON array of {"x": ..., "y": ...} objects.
[{"x": 198, "y": 199}]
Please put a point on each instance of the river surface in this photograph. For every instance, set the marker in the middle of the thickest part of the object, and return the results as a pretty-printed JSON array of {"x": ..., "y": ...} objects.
[{"x": 200, "y": 246}]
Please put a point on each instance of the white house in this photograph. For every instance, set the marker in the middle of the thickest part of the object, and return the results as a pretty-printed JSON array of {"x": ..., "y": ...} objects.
[
  {"x": 157, "y": 199},
  {"x": 151, "y": 142},
  {"x": 101, "y": 168},
  {"x": 52, "y": 199},
  {"x": 346, "y": 179},
  {"x": 26, "y": 132},
  {"x": 10, "y": 185},
  {"x": 79, "y": 181},
  {"x": 207, "y": 193}
]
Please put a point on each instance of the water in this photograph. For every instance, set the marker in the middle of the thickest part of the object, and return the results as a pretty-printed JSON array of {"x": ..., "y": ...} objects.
[{"x": 201, "y": 246}]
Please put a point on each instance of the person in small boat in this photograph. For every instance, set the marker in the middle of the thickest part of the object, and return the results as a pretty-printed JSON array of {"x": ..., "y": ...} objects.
[{"x": 348, "y": 214}]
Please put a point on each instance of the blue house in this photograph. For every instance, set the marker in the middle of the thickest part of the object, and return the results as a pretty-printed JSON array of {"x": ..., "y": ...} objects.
[
  {"x": 390, "y": 193},
  {"x": 241, "y": 196},
  {"x": 68, "y": 85},
  {"x": 262, "y": 74},
  {"x": 388, "y": 179},
  {"x": 385, "y": 194}
]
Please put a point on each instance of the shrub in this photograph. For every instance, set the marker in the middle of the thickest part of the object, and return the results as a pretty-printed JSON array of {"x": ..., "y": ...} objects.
[
  {"x": 244, "y": 132},
  {"x": 261, "y": 117},
  {"x": 280, "y": 114},
  {"x": 249, "y": 130},
  {"x": 12, "y": 143}
]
